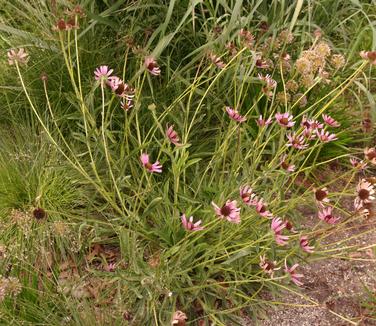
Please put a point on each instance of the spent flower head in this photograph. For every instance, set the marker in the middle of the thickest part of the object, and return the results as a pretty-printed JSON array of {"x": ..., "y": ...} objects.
[
  {"x": 369, "y": 55},
  {"x": 20, "y": 56},
  {"x": 370, "y": 154}
]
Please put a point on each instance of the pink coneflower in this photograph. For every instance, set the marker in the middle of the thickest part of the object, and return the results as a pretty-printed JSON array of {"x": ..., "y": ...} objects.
[
  {"x": 127, "y": 104},
  {"x": 189, "y": 225},
  {"x": 172, "y": 135},
  {"x": 111, "y": 267},
  {"x": 295, "y": 141},
  {"x": 270, "y": 82},
  {"x": 305, "y": 122},
  {"x": 19, "y": 56},
  {"x": 155, "y": 167},
  {"x": 234, "y": 115},
  {"x": 102, "y": 73},
  {"x": 262, "y": 122},
  {"x": 321, "y": 195},
  {"x": 246, "y": 194},
  {"x": 268, "y": 266},
  {"x": 152, "y": 66},
  {"x": 295, "y": 277},
  {"x": 277, "y": 226},
  {"x": 326, "y": 215},
  {"x": 358, "y": 164},
  {"x": 365, "y": 192},
  {"x": 369, "y": 55},
  {"x": 260, "y": 206},
  {"x": 246, "y": 35},
  {"x": 286, "y": 166},
  {"x": 284, "y": 119},
  {"x": 330, "y": 121},
  {"x": 325, "y": 136},
  {"x": 229, "y": 211},
  {"x": 216, "y": 60},
  {"x": 120, "y": 88},
  {"x": 309, "y": 133},
  {"x": 314, "y": 124},
  {"x": 260, "y": 63},
  {"x": 179, "y": 318},
  {"x": 304, "y": 244},
  {"x": 370, "y": 154}
]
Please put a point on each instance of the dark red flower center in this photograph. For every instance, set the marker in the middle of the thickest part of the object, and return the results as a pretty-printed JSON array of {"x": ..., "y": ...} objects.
[
  {"x": 120, "y": 89},
  {"x": 320, "y": 194},
  {"x": 269, "y": 266},
  {"x": 284, "y": 165},
  {"x": 363, "y": 194},
  {"x": 39, "y": 213},
  {"x": 284, "y": 121},
  {"x": 371, "y": 55},
  {"x": 226, "y": 210},
  {"x": 262, "y": 209},
  {"x": 371, "y": 154},
  {"x": 289, "y": 225},
  {"x": 149, "y": 166}
]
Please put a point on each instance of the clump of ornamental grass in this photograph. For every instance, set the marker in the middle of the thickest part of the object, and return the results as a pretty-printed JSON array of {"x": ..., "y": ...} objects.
[{"x": 192, "y": 205}]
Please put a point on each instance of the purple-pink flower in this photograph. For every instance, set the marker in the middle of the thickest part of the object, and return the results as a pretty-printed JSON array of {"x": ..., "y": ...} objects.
[
  {"x": 285, "y": 165},
  {"x": 295, "y": 277},
  {"x": 304, "y": 244},
  {"x": 234, "y": 115},
  {"x": 189, "y": 225},
  {"x": 296, "y": 141},
  {"x": 277, "y": 226},
  {"x": 326, "y": 215},
  {"x": 20, "y": 56},
  {"x": 359, "y": 164},
  {"x": 246, "y": 194},
  {"x": 262, "y": 122},
  {"x": 268, "y": 266},
  {"x": 330, "y": 121},
  {"x": 365, "y": 192},
  {"x": 152, "y": 66},
  {"x": 179, "y": 318},
  {"x": 260, "y": 206},
  {"x": 228, "y": 211},
  {"x": 155, "y": 167},
  {"x": 325, "y": 136},
  {"x": 127, "y": 104},
  {"x": 284, "y": 119},
  {"x": 102, "y": 73},
  {"x": 172, "y": 135},
  {"x": 120, "y": 88}
]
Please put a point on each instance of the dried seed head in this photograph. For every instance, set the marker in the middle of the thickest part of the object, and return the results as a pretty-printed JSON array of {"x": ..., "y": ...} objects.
[{"x": 39, "y": 213}]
